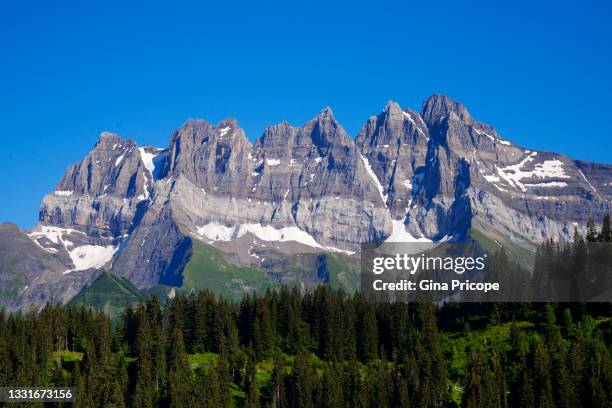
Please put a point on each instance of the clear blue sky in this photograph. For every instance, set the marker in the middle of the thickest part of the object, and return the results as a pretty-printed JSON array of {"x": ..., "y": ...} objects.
[{"x": 539, "y": 72}]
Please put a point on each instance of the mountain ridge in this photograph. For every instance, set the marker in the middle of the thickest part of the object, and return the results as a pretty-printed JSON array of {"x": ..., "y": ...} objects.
[{"x": 435, "y": 175}]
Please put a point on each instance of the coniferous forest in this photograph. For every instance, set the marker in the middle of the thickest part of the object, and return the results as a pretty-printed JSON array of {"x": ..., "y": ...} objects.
[{"x": 323, "y": 348}]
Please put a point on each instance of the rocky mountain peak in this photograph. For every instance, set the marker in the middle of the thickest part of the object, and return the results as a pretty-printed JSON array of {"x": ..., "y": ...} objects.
[
  {"x": 325, "y": 130},
  {"x": 326, "y": 114},
  {"x": 438, "y": 107},
  {"x": 111, "y": 141},
  {"x": 231, "y": 133},
  {"x": 195, "y": 123},
  {"x": 107, "y": 136},
  {"x": 392, "y": 109},
  {"x": 196, "y": 132},
  {"x": 231, "y": 123}
]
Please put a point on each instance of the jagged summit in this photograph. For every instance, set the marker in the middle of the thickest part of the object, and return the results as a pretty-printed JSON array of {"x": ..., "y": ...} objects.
[
  {"x": 107, "y": 138},
  {"x": 392, "y": 108},
  {"x": 197, "y": 122},
  {"x": 439, "y": 106},
  {"x": 107, "y": 135},
  {"x": 326, "y": 114},
  {"x": 228, "y": 122}
]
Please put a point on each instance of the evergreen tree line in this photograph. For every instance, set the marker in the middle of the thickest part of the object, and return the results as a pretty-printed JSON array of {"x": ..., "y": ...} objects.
[
  {"x": 576, "y": 271},
  {"x": 323, "y": 348}
]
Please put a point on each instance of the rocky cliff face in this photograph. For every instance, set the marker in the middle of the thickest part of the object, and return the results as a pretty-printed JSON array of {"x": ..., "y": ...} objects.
[
  {"x": 395, "y": 143},
  {"x": 102, "y": 194},
  {"x": 438, "y": 174}
]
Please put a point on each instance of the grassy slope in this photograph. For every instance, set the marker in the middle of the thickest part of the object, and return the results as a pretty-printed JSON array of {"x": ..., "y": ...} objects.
[
  {"x": 208, "y": 269},
  {"x": 109, "y": 292},
  {"x": 344, "y": 272},
  {"x": 523, "y": 256}
]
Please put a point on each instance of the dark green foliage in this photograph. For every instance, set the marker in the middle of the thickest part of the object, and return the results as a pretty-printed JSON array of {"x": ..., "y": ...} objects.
[{"x": 399, "y": 357}]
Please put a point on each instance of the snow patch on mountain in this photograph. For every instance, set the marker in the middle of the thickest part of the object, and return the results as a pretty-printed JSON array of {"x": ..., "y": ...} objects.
[
  {"x": 588, "y": 182},
  {"x": 549, "y": 184},
  {"x": 492, "y": 138},
  {"x": 273, "y": 162},
  {"x": 223, "y": 131},
  {"x": 83, "y": 257},
  {"x": 147, "y": 159},
  {"x": 514, "y": 173},
  {"x": 399, "y": 234},
  {"x": 63, "y": 193},
  {"x": 53, "y": 234},
  {"x": 269, "y": 233},
  {"x": 372, "y": 175},
  {"x": 407, "y": 116},
  {"x": 219, "y": 232},
  {"x": 119, "y": 159},
  {"x": 90, "y": 256},
  {"x": 491, "y": 178}
]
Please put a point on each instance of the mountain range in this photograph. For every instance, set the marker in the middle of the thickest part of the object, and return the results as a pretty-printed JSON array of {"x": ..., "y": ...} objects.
[{"x": 213, "y": 210}]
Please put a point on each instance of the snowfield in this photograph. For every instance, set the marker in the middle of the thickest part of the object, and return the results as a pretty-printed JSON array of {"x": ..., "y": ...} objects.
[
  {"x": 83, "y": 257},
  {"x": 400, "y": 234},
  {"x": 219, "y": 232},
  {"x": 273, "y": 162},
  {"x": 513, "y": 174},
  {"x": 90, "y": 256},
  {"x": 148, "y": 159}
]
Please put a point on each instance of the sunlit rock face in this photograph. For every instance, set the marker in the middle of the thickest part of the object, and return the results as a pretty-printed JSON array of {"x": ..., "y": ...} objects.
[{"x": 434, "y": 175}]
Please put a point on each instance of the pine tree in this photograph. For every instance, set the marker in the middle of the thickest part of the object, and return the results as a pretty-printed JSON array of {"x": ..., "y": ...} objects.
[
  {"x": 302, "y": 377},
  {"x": 224, "y": 375},
  {"x": 180, "y": 383},
  {"x": 123, "y": 380},
  {"x": 6, "y": 370},
  {"x": 606, "y": 230},
  {"x": 497, "y": 375},
  {"x": 479, "y": 389},
  {"x": 83, "y": 397},
  {"x": 592, "y": 235},
  {"x": 384, "y": 386},
  {"x": 541, "y": 374},
  {"x": 568, "y": 322},
  {"x": 367, "y": 342},
  {"x": 431, "y": 361},
  {"x": 250, "y": 383},
  {"x": 158, "y": 346},
  {"x": 599, "y": 375},
  {"x": 129, "y": 328},
  {"x": 144, "y": 392},
  {"x": 401, "y": 397},
  {"x": 57, "y": 377},
  {"x": 521, "y": 391},
  {"x": 210, "y": 388},
  {"x": 563, "y": 386},
  {"x": 330, "y": 391},
  {"x": 277, "y": 383}
]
